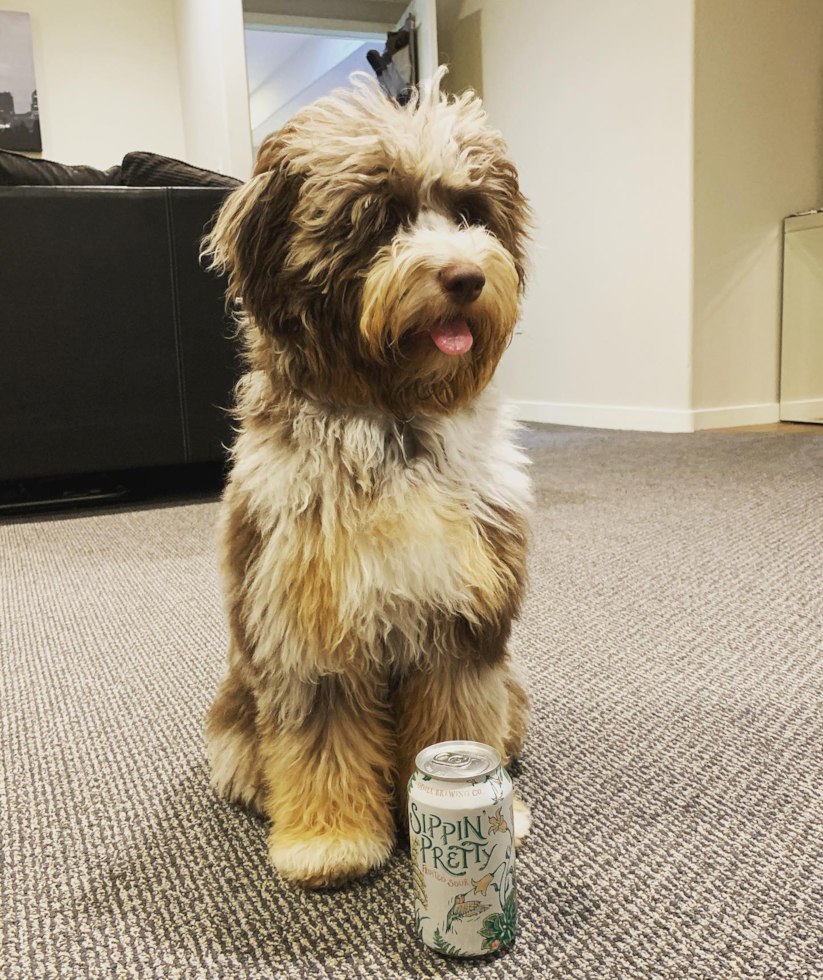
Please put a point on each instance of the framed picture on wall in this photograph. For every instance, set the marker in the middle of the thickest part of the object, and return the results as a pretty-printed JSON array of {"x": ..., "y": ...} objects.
[{"x": 19, "y": 109}]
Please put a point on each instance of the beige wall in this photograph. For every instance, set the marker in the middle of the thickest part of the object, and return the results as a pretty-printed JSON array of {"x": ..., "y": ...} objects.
[
  {"x": 758, "y": 157},
  {"x": 213, "y": 89},
  {"x": 595, "y": 100},
  {"x": 106, "y": 78},
  {"x": 461, "y": 48}
]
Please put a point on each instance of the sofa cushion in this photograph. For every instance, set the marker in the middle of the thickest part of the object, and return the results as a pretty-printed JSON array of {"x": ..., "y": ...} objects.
[
  {"x": 17, "y": 170},
  {"x": 142, "y": 169}
]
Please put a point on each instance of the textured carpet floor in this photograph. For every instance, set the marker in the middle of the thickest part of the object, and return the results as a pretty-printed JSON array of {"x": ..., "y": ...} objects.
[{"x": 674, "y": 643}]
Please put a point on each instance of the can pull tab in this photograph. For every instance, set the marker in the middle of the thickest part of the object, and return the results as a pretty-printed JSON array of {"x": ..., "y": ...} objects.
[{"x": 455, "y": 760}]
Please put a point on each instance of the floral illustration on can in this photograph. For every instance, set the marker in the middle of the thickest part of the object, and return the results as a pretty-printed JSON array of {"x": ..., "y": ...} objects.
[{"x": 461, "y": 829}]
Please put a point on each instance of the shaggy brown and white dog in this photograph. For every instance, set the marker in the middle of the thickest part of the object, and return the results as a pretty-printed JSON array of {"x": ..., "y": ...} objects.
[{"x": 373, "y": 530}]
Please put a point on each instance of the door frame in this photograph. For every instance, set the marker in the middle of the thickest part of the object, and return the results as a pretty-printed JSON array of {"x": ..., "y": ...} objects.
[{"x": 324, "y": 26}]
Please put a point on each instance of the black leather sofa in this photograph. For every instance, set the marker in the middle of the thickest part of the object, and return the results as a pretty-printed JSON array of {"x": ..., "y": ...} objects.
[{"x": 115, "y": 348}]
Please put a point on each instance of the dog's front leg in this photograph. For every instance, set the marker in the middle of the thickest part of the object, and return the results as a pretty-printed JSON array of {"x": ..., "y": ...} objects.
[
  {"x": 451, "y": 699},
  {"x": 327, "y": 748},
  {"x": 457, "y": 698}
]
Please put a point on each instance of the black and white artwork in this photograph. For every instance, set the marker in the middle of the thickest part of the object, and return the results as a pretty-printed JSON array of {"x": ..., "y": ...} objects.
[{"x": 19, "y": 110}]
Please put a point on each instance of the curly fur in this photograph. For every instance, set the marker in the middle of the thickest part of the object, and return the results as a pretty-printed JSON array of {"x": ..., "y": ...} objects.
[{"x": 373, "y": 533}]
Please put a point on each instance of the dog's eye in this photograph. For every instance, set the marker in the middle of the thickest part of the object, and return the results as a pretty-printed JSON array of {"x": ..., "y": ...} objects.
[
  {"x": 470, "y": 215},
  {"x": 391, "y": 219}
]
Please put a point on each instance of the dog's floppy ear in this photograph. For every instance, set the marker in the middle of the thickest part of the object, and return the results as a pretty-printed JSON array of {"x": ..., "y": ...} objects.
[
  {"x": 250, "y": 239},
  {"x": 510, "y": 212}
]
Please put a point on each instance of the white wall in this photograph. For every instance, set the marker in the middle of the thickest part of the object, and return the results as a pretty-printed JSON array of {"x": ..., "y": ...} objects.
[
  {"x": 758, "y": 158},
  {"x": 106, "y": 78},
  {"x": 460, "y": 42},
  {"x": 213, "y": 87},
  {"x": 595, "y": 101}
]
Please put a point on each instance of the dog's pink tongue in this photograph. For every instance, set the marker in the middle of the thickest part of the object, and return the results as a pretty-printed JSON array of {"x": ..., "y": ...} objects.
[{"x": 452, "y": 336}]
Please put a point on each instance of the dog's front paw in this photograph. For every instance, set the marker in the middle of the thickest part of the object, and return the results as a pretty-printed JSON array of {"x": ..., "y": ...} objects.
[
  {"x": 326, "y": 861},
  {"x": 522, "y": 821}
]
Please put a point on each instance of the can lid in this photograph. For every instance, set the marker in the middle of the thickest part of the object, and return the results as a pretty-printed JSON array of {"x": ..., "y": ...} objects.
[{"x": 457, "y": 760}]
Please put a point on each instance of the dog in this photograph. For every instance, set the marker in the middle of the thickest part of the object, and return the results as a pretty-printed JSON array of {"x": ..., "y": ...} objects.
[{"x": 373, "y": 529}]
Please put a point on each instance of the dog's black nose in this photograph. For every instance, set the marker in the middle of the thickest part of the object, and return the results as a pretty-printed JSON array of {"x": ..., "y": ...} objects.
[{"x": 463, "y": 281}]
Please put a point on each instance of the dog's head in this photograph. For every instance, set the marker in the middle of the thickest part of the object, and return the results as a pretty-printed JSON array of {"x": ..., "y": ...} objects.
[{"x": 377, "y": 253}]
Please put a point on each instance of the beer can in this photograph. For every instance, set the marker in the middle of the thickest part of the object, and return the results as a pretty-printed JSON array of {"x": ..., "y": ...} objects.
[{"x": 461, "y": 829}]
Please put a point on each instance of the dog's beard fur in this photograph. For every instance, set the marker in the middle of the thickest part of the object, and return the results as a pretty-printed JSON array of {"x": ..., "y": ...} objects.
[
  {"x": 370, "y": 584},
  {"x": 333, "y": 248}
]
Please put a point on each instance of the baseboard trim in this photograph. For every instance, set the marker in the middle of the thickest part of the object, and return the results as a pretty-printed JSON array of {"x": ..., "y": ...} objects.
[
  {"x": 605, "y": 416},
  {"x": 804, "y": 410},
  {"x": 645, "y": 419},
  {"x": 730, "y": 416}
]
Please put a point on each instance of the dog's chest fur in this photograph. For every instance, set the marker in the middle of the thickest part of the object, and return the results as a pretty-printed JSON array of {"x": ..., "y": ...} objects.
[{"x": 369, "y": 530}]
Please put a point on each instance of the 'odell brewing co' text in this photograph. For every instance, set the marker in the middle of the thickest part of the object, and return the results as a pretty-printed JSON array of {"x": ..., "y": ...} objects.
[{"x": 461, "y": 826}]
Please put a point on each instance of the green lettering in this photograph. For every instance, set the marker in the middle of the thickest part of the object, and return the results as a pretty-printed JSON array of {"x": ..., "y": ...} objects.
[
  {"x": 468, "y": 825},
  {"x": 415, "y": 819},
  {"x": 426, "y": 844},
  {"x": 487, "y": 854}
]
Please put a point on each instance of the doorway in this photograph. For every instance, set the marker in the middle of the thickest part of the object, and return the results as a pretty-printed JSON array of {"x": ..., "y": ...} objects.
[
  {"x": 288, "y": 69},
  {"x": 292, "y": 60}
]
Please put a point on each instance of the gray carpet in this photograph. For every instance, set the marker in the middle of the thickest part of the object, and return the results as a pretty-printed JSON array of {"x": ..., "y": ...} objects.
[{"x": 674, "y": 643}]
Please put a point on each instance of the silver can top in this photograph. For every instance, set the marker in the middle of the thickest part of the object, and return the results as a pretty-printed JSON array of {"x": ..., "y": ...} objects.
[{"x": 457, "y": 760}]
